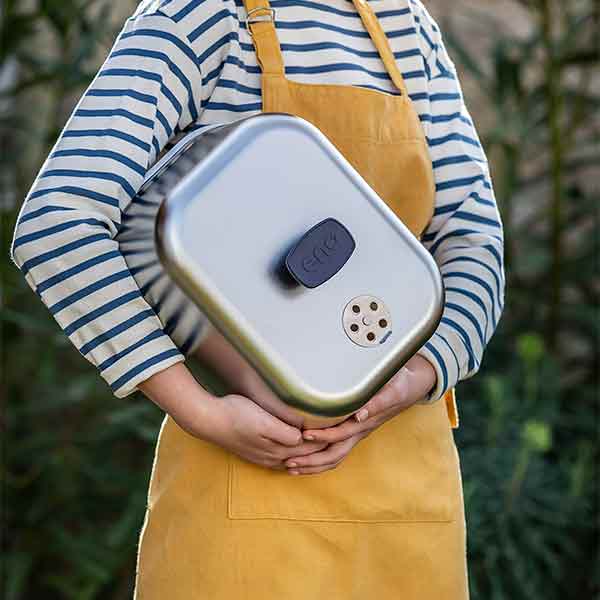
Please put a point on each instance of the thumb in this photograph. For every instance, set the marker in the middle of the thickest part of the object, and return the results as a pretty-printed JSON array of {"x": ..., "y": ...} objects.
[
  {"x": 282, "y": 433},
  {"x": 393, "y": 393}
]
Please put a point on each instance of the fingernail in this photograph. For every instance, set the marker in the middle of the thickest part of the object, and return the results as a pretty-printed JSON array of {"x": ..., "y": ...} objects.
[
  {"x": 293, "y": 464},
  {"x": 362, "y": 415},
  {"x": 310, "y": 438},
  {"x": 294, "y": 473}
]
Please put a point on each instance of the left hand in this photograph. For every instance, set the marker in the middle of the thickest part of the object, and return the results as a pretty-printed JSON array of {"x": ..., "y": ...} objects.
[{"x": 409, "y": 385}]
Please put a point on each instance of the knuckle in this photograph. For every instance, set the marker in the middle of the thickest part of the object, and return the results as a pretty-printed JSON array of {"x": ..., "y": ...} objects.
[
  {"x": 263, "y": 441},
  {"x": 279, "y": 454},
  {"x": 266, "y": 424},
  {"x": 290, "y": 455},
  {"x": 292, "y": 438},
  {"x": 380, "y": 404},
  {"x": 385, "y": 400},
  {"x": 330, "y": 455},
  {"x": 399, "y": 390},
  {"x": 338, "y": 455}
]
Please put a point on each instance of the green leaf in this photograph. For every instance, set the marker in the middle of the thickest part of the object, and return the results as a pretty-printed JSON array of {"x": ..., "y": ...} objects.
[{"x": 538, "y": 436}]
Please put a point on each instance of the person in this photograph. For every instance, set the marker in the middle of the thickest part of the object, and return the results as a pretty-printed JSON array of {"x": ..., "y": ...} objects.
[{"x": 242, "y": 503}]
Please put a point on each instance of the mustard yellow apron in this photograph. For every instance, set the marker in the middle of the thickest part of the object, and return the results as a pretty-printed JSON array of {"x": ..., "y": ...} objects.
[{"x": 389, "y": 522}]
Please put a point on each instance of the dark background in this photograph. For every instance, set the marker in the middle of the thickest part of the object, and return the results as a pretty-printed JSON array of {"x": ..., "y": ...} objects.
[{"x": 76, "y": 461}]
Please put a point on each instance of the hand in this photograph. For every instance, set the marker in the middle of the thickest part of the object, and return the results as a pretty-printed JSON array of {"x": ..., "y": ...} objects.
[
  {"x": 408, "y": 386},
  {"x": 324, "y": 460},
  {"x": 233, "y": 422},
  {"x": 244, "y": 428},
  {"x": 217, "y": 352}
]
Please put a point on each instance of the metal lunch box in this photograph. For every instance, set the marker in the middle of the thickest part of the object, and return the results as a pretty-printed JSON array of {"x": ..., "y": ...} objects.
[{"x": 262, "y": 228}]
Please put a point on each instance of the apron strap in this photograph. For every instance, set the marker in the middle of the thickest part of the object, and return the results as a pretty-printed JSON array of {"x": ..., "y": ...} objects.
[
  {"x": 373, "y": 26},
  {"x": 450, "y": 400},
  {"x": 260, "y": 22},
  {"x": 261, "y": 26}
]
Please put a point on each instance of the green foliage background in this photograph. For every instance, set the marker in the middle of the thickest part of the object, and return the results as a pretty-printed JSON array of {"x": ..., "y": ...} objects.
[{"x": 76, "y": 461}]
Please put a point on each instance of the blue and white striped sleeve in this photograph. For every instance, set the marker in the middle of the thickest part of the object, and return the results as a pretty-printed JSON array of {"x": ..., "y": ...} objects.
[
  {"x": 149, "y": 87},
  {"x": 465, "y": 235}
]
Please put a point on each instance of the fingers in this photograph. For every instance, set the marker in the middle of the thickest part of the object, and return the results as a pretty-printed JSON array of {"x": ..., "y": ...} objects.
[
  {"x": 304, "y": 449},
  {"x": 412, "y": 382},
  {"x": 282, "y": 433},
  {"x": 338, "y": 433},
  {"x": 272, "y": 454},
  {"x": 351, "y": 427},
  {"x": 390, "y": 398},
  {"x": 326, "y": 459},
  {"x": 331, "y": 435},
  {"x": 314, "y": 470},
  {"x": 271, "y": 463},
  {"x": 392, "y": 394}
]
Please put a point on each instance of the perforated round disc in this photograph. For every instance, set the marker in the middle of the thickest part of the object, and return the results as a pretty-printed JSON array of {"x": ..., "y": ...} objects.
[{"x": 367, "y": 321}]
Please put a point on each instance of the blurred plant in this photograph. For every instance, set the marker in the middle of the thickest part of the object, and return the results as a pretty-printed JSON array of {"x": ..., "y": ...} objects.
[
  {"x": 75, "y": 461},
  {"x": 529, "y": 470},
  {"x": 545, "y": 136},
  {"x": 530, "y": 497},
  {"x": 69, "y": 33}
]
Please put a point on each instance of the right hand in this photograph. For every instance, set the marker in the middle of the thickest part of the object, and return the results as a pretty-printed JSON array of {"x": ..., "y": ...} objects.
[
  {"x": 244, "y": 428},
  {"x": 233, "y": 422}
]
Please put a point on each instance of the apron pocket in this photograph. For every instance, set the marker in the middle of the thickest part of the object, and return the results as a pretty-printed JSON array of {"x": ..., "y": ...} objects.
[{"x": 407, "y": 470}]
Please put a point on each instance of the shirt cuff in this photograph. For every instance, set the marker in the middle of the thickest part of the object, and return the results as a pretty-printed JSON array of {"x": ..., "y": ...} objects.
[
  {"x": 126, "y": 383},
  {"x": 435, "y": 354}
]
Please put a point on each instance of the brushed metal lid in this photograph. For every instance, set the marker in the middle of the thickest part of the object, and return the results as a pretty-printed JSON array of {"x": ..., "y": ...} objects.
[{"x": 225, "y": 230}]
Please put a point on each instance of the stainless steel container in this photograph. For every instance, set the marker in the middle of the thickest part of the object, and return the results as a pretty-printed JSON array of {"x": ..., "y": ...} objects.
[{"x": 263, "y": 229}]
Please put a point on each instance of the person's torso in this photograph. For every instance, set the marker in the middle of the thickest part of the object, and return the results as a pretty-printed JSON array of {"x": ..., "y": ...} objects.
[{"x": 321, "y": 42}]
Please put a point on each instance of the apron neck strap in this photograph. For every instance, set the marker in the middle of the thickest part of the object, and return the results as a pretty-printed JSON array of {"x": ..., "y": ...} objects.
[
  {"x": 261, "y": 26},
  {"x": 260, "y": 22},
  {"x": 373, "y": 26}
]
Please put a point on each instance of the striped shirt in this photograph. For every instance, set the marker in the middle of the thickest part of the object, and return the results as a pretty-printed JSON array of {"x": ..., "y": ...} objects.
[{"x": 183, "y": 64}]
